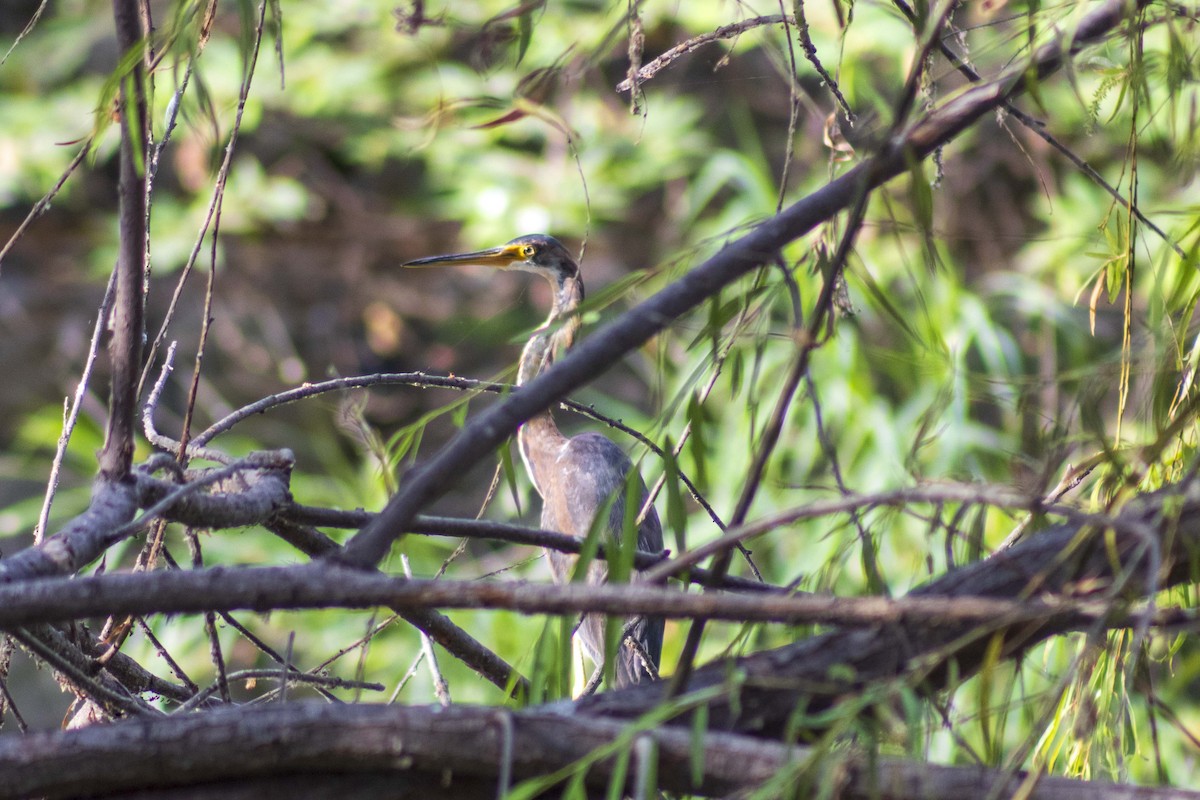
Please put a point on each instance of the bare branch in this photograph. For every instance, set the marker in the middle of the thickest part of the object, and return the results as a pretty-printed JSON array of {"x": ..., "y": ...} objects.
[
  {"x": 52, "y": 647},
  {"x": 249, "y": 496},
  {"x": 43, "y": 204},
  {"x": 125, "y": 349},
  {"x": 72, "y": 414},
  {"x": 110, "y": 517},
  {"x": 458, "y": 752},
  {"x": 324, "y": 585},
  {"x": 435, "y": 625},
  {"x": 691, "y": 45},
  {"x": 514, "y": 534},
  {"x": 81, "y": 541},
  {"x": 1055, "y": 562}
]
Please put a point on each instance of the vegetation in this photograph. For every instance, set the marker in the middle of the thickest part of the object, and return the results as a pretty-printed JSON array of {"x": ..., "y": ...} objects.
[{"x": 898, "y": 297}]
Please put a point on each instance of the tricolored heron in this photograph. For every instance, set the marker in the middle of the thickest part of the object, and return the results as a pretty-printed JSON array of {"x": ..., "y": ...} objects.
[{"x": 580, "y": 476}]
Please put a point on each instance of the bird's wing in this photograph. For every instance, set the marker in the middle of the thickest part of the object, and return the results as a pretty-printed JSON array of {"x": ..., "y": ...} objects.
[{"x": 592, "y": 470}]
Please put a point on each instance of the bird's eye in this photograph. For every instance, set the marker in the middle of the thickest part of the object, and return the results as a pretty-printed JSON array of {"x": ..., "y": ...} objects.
[{"x": 527, "y": 251}]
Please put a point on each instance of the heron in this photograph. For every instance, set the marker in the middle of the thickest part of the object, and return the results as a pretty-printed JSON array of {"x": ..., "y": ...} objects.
[{"x": 579, "y": 477}]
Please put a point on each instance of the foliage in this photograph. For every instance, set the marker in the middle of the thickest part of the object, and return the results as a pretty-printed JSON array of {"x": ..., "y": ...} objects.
[{"x": 1003, "y": 319}]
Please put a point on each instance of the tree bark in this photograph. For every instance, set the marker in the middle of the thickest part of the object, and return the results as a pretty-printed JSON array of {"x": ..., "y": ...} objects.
[{"x": 463, "y": 751}]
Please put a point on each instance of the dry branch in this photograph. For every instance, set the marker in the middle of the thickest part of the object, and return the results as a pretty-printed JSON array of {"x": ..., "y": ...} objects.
[
  {"x": 515, "y": 534},
  {"x": 110, "y": 516},
  {"x": 125, "y": 349},
  {"x": 81, "y": 541},
  {"x": 1022, "y": 595},
  {"x": 250, "y": 497},
  {"x": 463, "y": 748},
  {"x": 323, "y": 585},
  {"x": 432, "y": 623}
]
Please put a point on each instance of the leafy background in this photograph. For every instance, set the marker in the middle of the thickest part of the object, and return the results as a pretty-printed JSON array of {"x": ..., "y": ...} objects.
[{"x": 982, "y": 338}]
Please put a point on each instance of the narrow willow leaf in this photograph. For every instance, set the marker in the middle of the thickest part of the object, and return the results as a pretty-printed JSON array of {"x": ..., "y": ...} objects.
[
  {"x": 699, "y": 731},
  {"x": 510, "y": 476},
  {"x": 525, "y": 27},
  {"x": 676, "y": 511},
  {"x": 619, "y": 776},
  {"x": 698, "y": 443}
]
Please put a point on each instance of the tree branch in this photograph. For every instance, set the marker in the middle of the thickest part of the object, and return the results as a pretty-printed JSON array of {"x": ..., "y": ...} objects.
[
  {"x": 110, "y": 516},
  {"x": 466, "y": 748},
  {"x": 513, "y": 534},
  {"x": 435, "y": 625},
  {"x": 125, "y": 350},
  {"x": 1062, "y": 568}
]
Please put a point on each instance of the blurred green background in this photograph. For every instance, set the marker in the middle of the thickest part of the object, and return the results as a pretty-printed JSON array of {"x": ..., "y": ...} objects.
[{"x": 980, "y": 339}]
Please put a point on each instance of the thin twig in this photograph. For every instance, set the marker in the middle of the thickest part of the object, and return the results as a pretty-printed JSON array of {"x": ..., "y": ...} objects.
[
  {"x": 793, "y": 106},
  {"x": 210, "y": 623},
  {"x": 1039, "y": 129},
  {"x": 285, "y": 666},
  {"x": 165, "y": 655},
  {"x": 730, "y": 31},
  {"x": 215, "y": 216},
  {"x": 163, "y": 441},
  {"x": 26, "y": 30},
  {"x": 151, "y": 174},
  {"x": 42, "y": 205},
  {"x": 10, "y": 705},
  {"x": 810, "y": 52},
  {"x": 72, "y": 415},
  {"x": 875, "y": 581},
  {"x": 440, "y": 688},
  {"x": 514, "y": 534},
  {"x": 293, "y": 676}
]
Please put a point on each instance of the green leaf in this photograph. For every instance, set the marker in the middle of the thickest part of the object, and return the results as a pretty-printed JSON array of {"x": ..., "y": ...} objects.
[
  {"x": 620, "y": 773},
  {"x": 676, "y": 510},
  {"x": 699, "y": 732},
  {"x": 697, "y": 443},
  {"x": 525, "y": 26},
  {"x": 510, "y": 475}
]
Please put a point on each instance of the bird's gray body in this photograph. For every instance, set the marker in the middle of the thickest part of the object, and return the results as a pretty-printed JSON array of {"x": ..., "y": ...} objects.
[
  {"x": 591, "y": 472},
  {"x": 578, "y": 477}
]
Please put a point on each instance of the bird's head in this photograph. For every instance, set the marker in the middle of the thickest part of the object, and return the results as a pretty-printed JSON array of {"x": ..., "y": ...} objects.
[{"x": 536, "y": 252}]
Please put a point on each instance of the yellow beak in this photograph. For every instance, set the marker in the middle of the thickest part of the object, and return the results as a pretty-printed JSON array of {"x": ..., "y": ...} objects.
[{"x": 496, "y": 257}]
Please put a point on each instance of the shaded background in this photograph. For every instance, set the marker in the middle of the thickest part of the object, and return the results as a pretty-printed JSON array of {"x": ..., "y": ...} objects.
[{"x": 964, "y": 351}]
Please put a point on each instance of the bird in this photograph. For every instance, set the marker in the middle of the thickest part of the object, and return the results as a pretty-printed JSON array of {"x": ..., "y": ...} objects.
[{"x": 581, "y": 476}]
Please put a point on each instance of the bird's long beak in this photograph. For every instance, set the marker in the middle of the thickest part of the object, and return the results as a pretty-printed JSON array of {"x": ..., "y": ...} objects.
[{"x": 496, "y": 257}]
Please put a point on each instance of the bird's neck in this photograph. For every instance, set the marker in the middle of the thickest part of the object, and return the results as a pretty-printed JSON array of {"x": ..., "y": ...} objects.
[
  {"x": 539, "y": 439},
  {"x": 557, "y": 332}
]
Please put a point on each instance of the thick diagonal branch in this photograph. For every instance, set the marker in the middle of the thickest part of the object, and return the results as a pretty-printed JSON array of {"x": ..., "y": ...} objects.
[
  {"x": 125, "y": 349},
  {"x": 466, "y": 750},
  {"x": 598, "y": 352}
]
